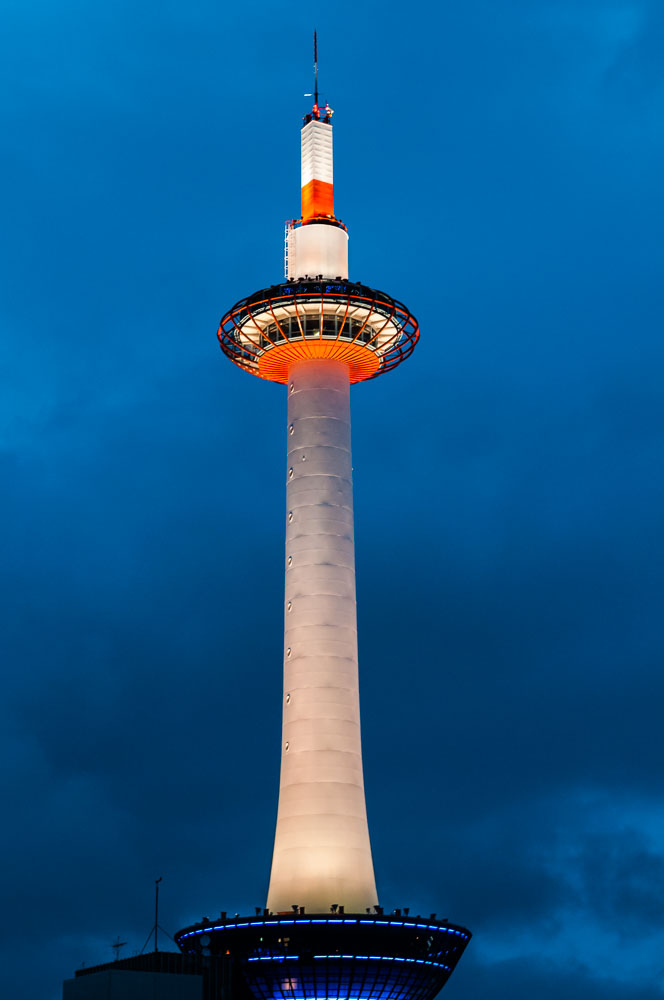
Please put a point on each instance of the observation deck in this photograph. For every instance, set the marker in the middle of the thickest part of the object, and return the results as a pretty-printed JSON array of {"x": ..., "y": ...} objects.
[
  {"x": 333, "y": 956},
  {"x": 342, "y": 320}
]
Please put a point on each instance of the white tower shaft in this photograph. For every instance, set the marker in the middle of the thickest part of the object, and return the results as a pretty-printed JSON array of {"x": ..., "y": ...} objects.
[{"x": 322, "y": 853}]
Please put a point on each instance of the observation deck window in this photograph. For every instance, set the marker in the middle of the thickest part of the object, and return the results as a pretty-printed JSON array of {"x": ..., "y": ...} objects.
[{"x": 332, "y": 328}]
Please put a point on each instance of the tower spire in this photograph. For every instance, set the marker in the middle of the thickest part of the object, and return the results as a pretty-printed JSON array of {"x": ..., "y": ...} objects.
[{"x": 315, "y": 72}]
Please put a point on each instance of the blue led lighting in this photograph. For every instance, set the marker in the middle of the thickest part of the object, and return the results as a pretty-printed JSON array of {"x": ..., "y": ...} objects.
[
  {"x": 377, "y": 958},
  {"x": 406, "y": 923},
  {"x": 272, "y": 958},
  {"x": 353, "y": 921},
  {"x": 301, "y": 995},
  {"x": 316, "y": 995}
]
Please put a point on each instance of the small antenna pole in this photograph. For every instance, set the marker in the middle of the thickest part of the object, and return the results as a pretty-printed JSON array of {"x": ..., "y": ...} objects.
[
  {"x": 117, "y": 944},
  {"x": 156, "y": 911},
  {"x": 155, "y": 930},
  {"x": 315, "y": 70}
]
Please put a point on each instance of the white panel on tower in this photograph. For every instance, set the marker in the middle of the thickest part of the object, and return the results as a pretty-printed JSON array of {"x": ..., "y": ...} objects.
[
  {"x": 316, "y": 152},
  {"x": 318, "y": 248}
]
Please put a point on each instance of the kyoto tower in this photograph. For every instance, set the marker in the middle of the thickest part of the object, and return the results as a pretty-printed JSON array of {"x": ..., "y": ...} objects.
[{"x": 322, "y": 933}]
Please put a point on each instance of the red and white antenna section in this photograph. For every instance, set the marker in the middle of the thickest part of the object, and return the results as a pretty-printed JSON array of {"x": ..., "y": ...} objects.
[{"x": 317, "y": 243}]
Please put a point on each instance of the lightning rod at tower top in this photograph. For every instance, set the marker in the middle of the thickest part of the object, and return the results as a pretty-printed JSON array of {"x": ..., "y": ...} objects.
[{"x": 315, "y": 69}]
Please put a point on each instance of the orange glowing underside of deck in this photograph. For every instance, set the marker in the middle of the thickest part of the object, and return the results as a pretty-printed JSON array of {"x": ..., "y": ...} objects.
[
  {"x": 362, "y": 363},
  {"x": 317, "y": 200}
]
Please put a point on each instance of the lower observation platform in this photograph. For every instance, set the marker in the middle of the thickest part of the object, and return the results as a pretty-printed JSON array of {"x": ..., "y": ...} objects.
[
  {"x": 333, "y": 957},
  {"x": 342, "y": 320}
]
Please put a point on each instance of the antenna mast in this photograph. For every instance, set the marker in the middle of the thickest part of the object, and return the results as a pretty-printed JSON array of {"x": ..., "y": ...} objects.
[
  {"x": 156, "y": 911},
  {"x": 315, "y": 71},
  {"x": 157, "y": 926},
  {"x": 116, "y": 946}
]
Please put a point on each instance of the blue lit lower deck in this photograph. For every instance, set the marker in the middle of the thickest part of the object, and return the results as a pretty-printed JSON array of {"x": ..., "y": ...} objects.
[{"x": 334, "y": 958}]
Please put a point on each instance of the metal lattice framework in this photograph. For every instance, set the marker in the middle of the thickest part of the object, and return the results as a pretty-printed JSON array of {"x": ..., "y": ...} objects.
[
  {"x": 271, "y": 329},
  {"x": 327, "y": 957}
]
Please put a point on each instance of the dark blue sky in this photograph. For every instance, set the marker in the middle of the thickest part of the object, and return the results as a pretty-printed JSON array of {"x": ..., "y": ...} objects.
[{"x": 499, "y": 165}]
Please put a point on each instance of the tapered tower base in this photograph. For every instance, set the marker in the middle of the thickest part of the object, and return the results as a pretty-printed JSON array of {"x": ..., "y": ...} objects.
[{"x": 322, "y": 854}]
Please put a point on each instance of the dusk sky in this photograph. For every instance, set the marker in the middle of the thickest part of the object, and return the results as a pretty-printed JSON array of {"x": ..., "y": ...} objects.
[{"x": 499, "y": 165}]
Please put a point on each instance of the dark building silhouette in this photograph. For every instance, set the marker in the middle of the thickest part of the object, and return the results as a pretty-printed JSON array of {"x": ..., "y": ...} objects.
[{"x": 159, "y": 975}]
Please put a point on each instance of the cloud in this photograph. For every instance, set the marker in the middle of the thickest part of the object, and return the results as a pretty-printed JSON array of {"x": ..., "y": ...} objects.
[
  {"x": 622, "y": 879},
  {"x": 521, "y": 979}
]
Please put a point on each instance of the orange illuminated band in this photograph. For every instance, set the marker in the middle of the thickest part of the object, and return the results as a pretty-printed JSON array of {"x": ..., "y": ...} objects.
[
  {"x": 317, "y": 200},
  {"x": 274, "y": 364}
]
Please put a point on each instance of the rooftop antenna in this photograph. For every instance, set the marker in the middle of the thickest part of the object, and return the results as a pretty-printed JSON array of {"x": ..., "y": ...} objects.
[
  {"x": 156, "y": 911},
  {"x": 117, "y": 944},
  {"x": 157, "y": 927}
]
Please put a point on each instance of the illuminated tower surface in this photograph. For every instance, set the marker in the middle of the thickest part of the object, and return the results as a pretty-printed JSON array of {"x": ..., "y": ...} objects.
[{"x": 322, "y": 933}]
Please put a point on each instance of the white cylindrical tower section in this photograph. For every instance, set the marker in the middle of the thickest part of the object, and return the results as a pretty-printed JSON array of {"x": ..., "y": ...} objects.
[
  {"x": 316, "y": 156},
  {"x": 322, "y": 853},
  {"x": 318, "y": 249}
]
